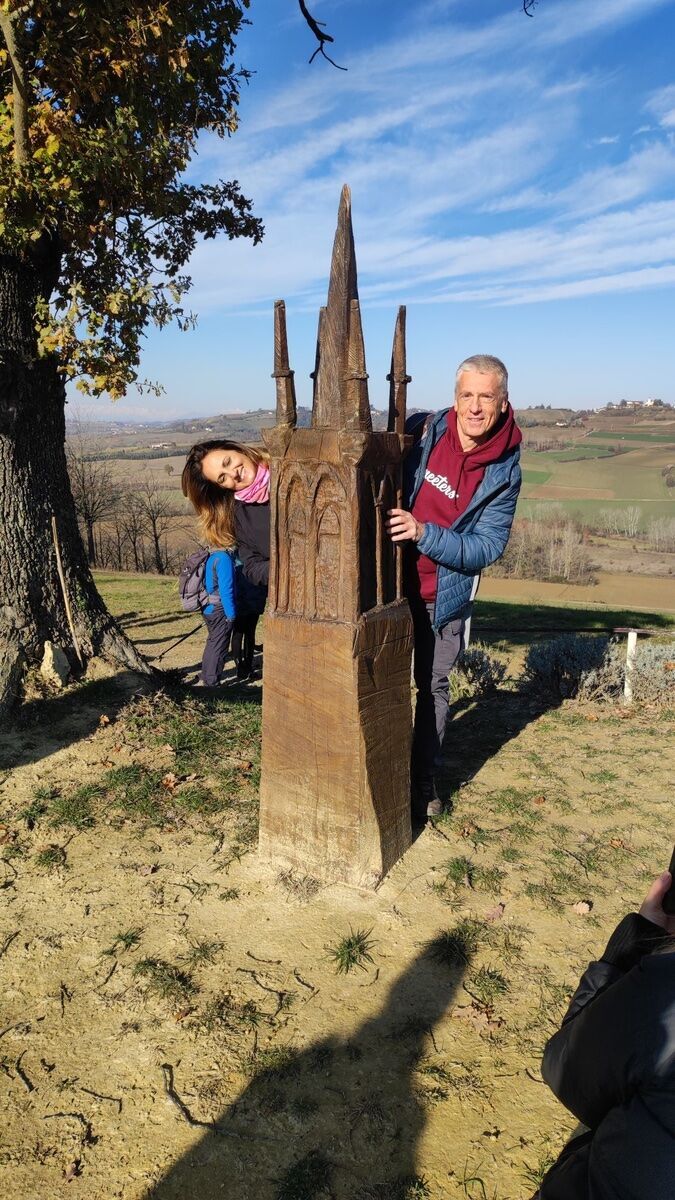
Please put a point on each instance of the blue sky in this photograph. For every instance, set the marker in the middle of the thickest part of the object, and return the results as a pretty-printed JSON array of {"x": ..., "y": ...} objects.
[{"x": 512, "y": 183}]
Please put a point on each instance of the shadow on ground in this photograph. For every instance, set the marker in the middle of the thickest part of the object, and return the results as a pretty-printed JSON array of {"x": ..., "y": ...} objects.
[
  {"x": 342, "y": 1119},
  {"x": 47, "y": 724},
  {"x": 478, "y": 729}
]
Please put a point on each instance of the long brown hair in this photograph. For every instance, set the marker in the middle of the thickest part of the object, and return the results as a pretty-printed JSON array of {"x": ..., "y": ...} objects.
[{"x": 214, "y": 505}]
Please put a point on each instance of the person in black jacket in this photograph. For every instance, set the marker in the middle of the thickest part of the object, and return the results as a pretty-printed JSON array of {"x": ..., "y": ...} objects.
[
  {"x": 612, "y": 1064},
  {"x": 228, "y": 485}
]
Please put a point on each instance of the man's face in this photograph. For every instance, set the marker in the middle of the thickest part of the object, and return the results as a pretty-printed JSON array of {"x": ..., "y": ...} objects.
[{"x": 478, "y": 403}]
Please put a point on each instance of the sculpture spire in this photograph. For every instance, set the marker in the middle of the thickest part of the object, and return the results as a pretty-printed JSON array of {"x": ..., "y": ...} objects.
[
  {"x": 398, "y": 379},
  {"x": 286, "y": 404},
  {"x": 340, "y": 388}
]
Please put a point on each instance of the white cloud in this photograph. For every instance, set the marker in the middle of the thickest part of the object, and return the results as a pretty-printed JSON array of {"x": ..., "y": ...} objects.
[
  {"x": 461, "y": 144},
  {"x": 662, "y": 104}
]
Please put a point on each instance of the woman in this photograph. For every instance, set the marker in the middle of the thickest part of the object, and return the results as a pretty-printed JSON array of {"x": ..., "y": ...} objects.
[
  {"x": 228, "y": 485},
  {"x": 613, "y": 1065}
]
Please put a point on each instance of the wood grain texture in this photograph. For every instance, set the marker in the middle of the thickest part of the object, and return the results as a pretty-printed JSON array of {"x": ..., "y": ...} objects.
[{"x": 337, "y": 722}]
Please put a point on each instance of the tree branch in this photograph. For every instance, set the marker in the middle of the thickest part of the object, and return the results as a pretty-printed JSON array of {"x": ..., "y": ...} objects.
[
  {"x": 529, "y": 7},
  {"x": 320, "y": 36},
  {"x": 19, "y": 89}
]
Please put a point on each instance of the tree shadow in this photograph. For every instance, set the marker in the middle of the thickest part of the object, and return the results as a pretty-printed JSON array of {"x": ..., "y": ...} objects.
[
  {"x": 479, "y": 728},
  {"x": 341, "y": 1119},
  {"x": 49, "y": 723}
]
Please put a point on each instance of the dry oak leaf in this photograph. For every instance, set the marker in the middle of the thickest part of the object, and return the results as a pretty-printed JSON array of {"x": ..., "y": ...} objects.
[
  {"x": 582, "y": 907},
  {"x": 618, "y": 843},
  {"x": 477, "y": 1017},
  {"x": 72, "y": 1170},
  {"x": 169, "y": 781},
  {"x": 148, "y": 869},
  {"x": 468, "y": 829},
  {"x": 104, "y": 719},
  {"x": 496, "y": 913},
  {"x": 591, "y": 717},
  {"x": 539, "y": 800}
]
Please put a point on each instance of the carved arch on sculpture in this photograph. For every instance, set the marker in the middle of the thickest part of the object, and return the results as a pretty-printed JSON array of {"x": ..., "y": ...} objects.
[
  {"x": 292, "y": 542},
  {"x": 327, "y": 509}
]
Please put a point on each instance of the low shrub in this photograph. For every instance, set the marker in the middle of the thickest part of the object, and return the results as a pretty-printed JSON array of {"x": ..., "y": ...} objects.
[
  {"x": 557, "y": 667},
  {"x": 482, "y": 672},
  {"x": 652, "y": 677},
  {"x": 594, "y": 668}
]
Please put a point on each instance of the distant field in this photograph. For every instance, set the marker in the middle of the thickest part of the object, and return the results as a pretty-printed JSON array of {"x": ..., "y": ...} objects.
[
  {"x": 627, "y": 435},
  {"x": 531, "y": 476},
  {"x": 581, "y": 450},
  {"x": 588, "y": 509},
  {"x": 584, "y": 479}
]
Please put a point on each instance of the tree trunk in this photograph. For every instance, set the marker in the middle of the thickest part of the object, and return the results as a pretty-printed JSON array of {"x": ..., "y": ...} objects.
[
  {"x": 159, "y": 565},
  {"x": 34, "y": 486},
  {"x": 91, "y": 545}
]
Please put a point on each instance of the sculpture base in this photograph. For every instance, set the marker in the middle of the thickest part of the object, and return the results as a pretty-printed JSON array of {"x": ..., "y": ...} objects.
[{"x": 337, "y": 730}]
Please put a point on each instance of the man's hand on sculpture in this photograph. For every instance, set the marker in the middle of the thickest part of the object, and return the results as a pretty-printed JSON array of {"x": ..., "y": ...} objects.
[{"x": 402, "y": 526}]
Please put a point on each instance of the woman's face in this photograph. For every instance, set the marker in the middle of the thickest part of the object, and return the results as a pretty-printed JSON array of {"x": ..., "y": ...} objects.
[{"x": 229, "y": 469}]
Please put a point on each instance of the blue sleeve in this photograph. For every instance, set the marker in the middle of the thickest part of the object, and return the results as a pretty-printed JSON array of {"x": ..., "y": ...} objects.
[
  {"x": 224, "y": 564},
  {"x": 471, "y": 552}
]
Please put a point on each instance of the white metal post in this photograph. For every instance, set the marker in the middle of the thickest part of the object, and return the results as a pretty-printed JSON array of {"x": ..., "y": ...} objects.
[{"x": 631, "y": 652}]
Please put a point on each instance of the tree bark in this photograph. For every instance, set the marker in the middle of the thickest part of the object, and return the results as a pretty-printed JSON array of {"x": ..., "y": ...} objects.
[{"x": 34, "y": 485}]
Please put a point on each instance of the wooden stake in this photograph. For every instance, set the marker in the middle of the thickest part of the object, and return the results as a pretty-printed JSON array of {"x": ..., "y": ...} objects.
[{"x": 64, "y": 592}]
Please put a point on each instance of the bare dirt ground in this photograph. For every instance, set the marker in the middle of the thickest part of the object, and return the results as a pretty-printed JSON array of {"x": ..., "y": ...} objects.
[{"x": 173, "y": 1023}]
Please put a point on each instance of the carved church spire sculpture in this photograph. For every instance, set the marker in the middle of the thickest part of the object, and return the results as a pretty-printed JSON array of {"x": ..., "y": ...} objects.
[{"x": 335, "y": 787}]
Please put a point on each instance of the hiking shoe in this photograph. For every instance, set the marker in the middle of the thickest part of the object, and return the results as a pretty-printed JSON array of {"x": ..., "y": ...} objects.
[
  {"x": 425, "y": 799},
  {"x": 430, "y": 798}
]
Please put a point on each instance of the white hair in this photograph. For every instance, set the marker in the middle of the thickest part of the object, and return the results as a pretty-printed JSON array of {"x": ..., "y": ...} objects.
[{"x": 486, "y": 363}]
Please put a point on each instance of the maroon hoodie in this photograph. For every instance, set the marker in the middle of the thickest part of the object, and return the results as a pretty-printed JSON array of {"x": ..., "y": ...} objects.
[{"x": 451, "y": 479}]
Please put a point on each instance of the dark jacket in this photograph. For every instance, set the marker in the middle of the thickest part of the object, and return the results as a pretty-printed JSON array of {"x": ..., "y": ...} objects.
[
  {"x": 613, "y": 1065},
  {"x": 252, "y": 531},
  {"x": 479, "y": 535}
]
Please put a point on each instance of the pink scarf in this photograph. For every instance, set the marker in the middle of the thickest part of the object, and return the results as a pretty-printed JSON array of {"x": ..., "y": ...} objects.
[{"x": 257, "y": 492}]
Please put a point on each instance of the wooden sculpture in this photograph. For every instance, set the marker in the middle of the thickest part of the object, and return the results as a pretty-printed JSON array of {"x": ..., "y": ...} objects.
[{"x": 335, "y": 790}]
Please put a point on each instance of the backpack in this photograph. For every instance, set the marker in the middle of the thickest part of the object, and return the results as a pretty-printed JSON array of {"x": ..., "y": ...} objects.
[{"x": 192, "y": 583}]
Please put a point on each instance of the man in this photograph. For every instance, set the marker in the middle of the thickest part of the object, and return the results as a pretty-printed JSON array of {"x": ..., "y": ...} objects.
[{"x": 461, "y": 486}]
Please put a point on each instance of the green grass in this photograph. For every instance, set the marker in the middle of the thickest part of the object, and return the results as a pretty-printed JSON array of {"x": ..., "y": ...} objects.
[
  {"x": 352, "y": 951},
  {"x": 580, "y": 452},
  {"x": 307, "y": 1179},
  {"x": 536, "y": 477},
  {"x": 486, "y": 986},
  {"x": 75, "y": 808},
  {"x": 165, "y": 980},
  {"x": 457, "y": 946},
  {"x": 462, "y": 871},
  {"x": 517, "y": 624},
  {"x": 626, "y": 435},
  {"x": 129, "y": 939},
  {"x": 50, "y": 858},
  {"x": 202, "y": 952},
  {"x": 588, "y": 511},
  {"x": 272, "y": 1061}
]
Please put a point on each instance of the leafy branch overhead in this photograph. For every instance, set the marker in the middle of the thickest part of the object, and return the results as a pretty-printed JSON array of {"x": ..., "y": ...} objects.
[{"x": 100, "y": 111}]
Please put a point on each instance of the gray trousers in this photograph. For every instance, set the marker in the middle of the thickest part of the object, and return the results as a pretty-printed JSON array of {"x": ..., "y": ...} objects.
[
  {"x": 219, "y": 629},
  {"x": 435, "y": 654}
]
